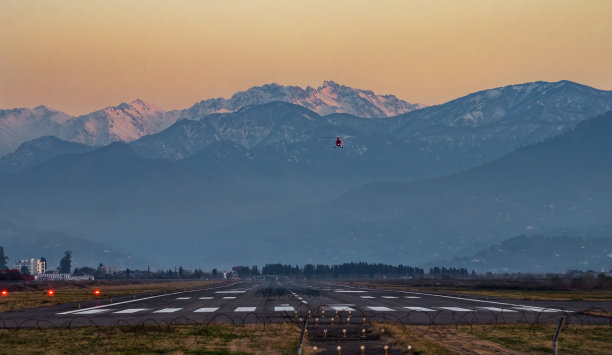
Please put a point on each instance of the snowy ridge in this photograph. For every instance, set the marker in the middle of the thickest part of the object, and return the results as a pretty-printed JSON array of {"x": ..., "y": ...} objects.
[{"x": 324, "y": 100}]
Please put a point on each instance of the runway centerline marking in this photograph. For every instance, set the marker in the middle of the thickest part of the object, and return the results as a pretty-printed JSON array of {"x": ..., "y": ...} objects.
[
  {"x": 206, "y": 298},
  {"x": 231, "y": 291},
  {"x": 389, "y": 297},
  {"x": 229, "y": 298},
  {"x": 183, "y": 298},
  {"x": 367, "y": 296}
]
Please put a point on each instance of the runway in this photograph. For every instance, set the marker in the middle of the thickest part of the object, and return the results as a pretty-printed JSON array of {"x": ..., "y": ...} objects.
[{"x": 276, "y": 301}]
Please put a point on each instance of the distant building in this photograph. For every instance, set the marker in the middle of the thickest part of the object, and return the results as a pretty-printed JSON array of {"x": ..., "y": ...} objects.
[
  {"x": 108, "y": 270},
  {"x": 31, "y": 266}
]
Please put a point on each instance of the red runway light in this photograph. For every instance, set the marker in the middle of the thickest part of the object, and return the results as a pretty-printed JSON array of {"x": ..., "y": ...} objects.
[
  {"x": 97, "y": 292},
  {"x": 4, "y": 293},
  {"x": 50, "y": 292}
]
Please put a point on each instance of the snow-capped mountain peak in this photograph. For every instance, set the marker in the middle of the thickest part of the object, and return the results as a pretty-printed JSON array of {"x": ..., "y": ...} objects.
[{"x": 329, "y": 98}]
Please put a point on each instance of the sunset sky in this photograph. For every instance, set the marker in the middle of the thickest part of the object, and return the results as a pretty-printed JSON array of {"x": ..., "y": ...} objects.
[{"x": 79, "y": 56}]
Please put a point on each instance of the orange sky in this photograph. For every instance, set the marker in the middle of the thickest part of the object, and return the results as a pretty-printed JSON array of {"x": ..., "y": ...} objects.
[{"x": 79, "y": 56}]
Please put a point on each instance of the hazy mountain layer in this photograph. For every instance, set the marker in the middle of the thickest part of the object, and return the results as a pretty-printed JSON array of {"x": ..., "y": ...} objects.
[
  {"x": 26, "y": 243},
  {"x": 537, "y": 253}
]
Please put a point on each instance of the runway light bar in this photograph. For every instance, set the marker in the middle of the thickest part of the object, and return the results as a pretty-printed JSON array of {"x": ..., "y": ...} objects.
[
  {"x": 4, "y": 293},
  {"x": 97, "y": 292},
  {"x": 50, "y": 292}
]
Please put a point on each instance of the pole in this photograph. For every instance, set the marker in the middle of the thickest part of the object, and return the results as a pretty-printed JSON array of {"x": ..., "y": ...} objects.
[{"x": 557, "y": 336}]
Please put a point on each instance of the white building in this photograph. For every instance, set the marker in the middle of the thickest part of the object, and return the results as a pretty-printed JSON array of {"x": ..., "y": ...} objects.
[{"x": 32, "y": 266}]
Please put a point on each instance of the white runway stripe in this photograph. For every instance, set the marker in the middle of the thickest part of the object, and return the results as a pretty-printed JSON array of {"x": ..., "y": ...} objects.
[
  {"x": 421, "y": 309},
  {"x": 382, "y": 309},
  {"x": 229, "y": 298},
  {"x": 94, "y": 311},
  {"x": 168, "y": 310},
  {"x": 350, "y": 291},
  {"x": 245, "y": 309},
  {"x": 411, "y": 297},
  {"x": 367, "y": 296},
  {"x": 537, "y": 309},
  {"x": 206, "y": 298},
  {"x": 495, "y": 309},
  {"x": 456, "y": 309},
  {"x": 284, "y": 309},
  {"x": 131, "y": 310},
  {"x": 231, "y": 291},
  {"x": 341, "y": 308},
  {"x": 183, "y": 298},
  {"x": 389, "y": 297},
  {"x": 206, "y": 310}
]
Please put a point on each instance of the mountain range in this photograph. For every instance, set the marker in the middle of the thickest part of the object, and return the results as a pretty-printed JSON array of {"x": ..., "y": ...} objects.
[
  {"x": 260, "y": 180},
  {"x": 130, "y": 121}
]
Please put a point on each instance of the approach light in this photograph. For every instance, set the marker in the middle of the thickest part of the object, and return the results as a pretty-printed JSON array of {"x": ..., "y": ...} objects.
[
  {"x": 4, "y": 293},
  {"x": 97, "y": 292},
  {"x": 51, "y": 293}
]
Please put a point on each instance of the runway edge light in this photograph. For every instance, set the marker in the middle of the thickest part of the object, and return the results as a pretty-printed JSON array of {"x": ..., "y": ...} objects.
[{"x": 4, "y": 293}]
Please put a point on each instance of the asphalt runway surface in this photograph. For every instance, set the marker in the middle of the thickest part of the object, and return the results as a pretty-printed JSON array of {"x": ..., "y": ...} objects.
[{"x": 278, "y": 301}]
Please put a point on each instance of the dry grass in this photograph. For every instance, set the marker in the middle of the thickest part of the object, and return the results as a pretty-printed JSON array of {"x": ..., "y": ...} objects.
[
  {"x": 34, "y": 295},
  {"x": 500, "y": 339},
  {"x": 175, "y": 339}
]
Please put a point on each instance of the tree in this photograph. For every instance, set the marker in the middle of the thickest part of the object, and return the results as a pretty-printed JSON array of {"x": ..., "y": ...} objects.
[
  {"x": 181, "y": 272},
  {"x": 3, "y": 259},
  {"x": 66, "y": 262},
  {"x": 24, "y": 269}
]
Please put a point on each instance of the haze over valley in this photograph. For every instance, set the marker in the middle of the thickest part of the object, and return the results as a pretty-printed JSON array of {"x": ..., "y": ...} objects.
[{"x": 256, "y": 178}]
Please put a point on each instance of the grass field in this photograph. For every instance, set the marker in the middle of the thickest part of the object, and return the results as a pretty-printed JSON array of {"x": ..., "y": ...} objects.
[
  {"x": 34, "y": 295},
  {"x": 150, "y": 339},
  {"x": 551, "y": 295},
  {"x": 500, "y": 339}
]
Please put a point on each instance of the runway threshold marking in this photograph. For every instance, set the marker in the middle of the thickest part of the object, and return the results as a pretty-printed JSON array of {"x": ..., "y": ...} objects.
[
  {"x": 229, "y": 298},
  {"x": 168, "y": 310},
  {"x": 183, "y": 298},
  {"x": 131, "y": 310},
  {"x": 231, "y": 291},
  {"x": 456, "y": 309},
  {"x": 495, "y": 309},
  {"x": 341, "y": 308},
  {"x": 283, "y": 309},
  {"x": 206, "y": 298},
  {"x": 245, "y": 309},
  {"x": 517, "y": 306},
  {"x": 389, "y": 297},
  {"x": 367, "y": 296},
  {"x": 420, "y": 309},
  {"x": 94, "y": 311},
  {"x": 537, "y": 309},
  {"x": 206, "y": 310},
  {"x": 147, "y": 298},
  {"x": 381, "y": 309}
]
